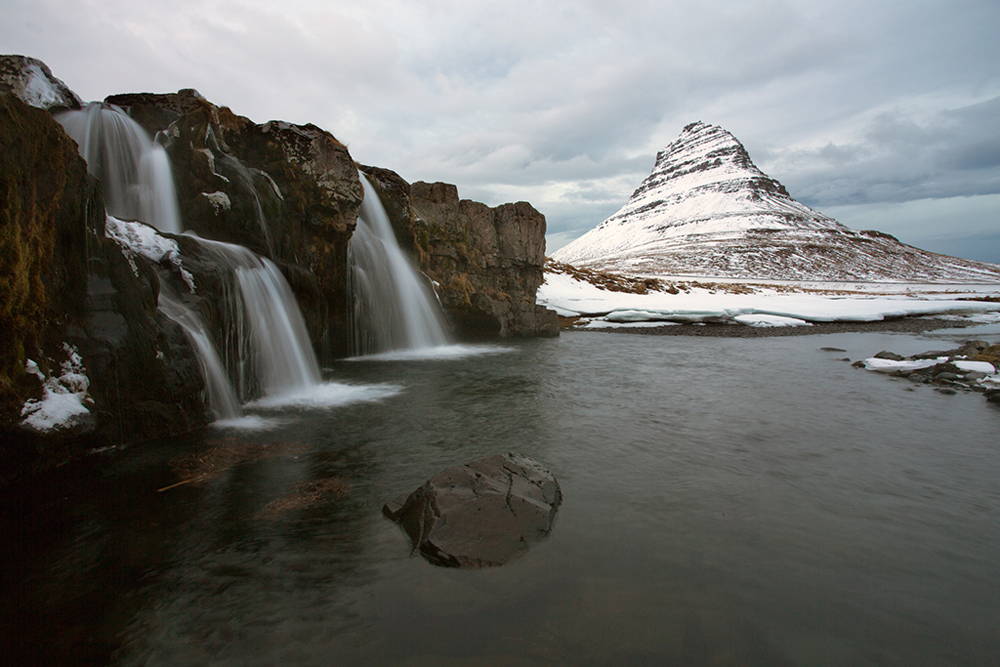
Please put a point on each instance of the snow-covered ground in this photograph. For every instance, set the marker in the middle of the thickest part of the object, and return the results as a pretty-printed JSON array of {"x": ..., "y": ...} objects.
[{"x": 785, "y": 304}]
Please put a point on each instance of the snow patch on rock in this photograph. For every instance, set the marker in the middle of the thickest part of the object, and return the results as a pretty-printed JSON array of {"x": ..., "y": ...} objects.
[
  {"x": 218, "y": 200},
  {"x": 64, "y": 401},
  {"x": 137, "y": 238}
]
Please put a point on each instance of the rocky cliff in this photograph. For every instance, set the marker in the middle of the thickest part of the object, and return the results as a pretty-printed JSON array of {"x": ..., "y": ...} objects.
[
  {"x": 288, "y": 192},
  {"x": 79, "y": 322},
  {"x": 707, "y": 210},
  {"x": 486, "y": 263},
  {"x": 79, "y": 307}
]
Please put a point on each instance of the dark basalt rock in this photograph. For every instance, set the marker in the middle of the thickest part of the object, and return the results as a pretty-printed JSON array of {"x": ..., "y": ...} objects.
[{"x": 480, "y": 514}]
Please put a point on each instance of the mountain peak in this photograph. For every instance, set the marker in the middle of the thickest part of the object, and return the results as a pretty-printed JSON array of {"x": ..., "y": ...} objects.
[{"x": 707, "y": 210}]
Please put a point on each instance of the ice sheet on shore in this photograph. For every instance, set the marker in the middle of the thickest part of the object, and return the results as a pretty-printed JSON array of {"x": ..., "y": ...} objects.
[{"x": 571, "y": 297}]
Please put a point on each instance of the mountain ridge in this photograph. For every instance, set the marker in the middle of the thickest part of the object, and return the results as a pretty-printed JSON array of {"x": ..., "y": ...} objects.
[{"x": 707, "y": 210}]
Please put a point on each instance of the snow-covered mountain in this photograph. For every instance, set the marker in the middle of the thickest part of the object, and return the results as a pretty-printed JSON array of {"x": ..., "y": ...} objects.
[{"x": 707, "y": 210}]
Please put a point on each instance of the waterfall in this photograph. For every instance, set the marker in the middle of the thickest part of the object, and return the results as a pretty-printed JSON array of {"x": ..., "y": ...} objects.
[
  {"x": 266, "y": 349},
  {"x": 266, "y": 345},
  {"x": 219, "y": 392},
  {"x": 394, "y": 307},
  {"x": 134, "y": 172}
]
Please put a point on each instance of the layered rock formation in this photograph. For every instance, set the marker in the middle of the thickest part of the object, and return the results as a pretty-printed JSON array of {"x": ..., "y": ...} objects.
[
  {"x": 707, "y": 210},
  {"x": 486, "y": 263},
  {"x": 291, "y": 193}
]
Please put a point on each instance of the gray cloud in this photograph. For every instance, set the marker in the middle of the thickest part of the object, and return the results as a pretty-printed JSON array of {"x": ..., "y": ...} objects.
[
  {"x": 897, "y": 157},
  {"x": 565, "y": 103}
]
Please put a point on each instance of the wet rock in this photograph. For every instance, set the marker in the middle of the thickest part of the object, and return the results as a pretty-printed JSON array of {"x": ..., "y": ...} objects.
[
  {"x": 931, "y": 354},
  {"x": 970, "y": 348},
  {"x": 288, "y": 192},
  {"x": 65, "y": 283},
  {"x": 947, "y": 374},
  {"x": 990, "y": 354},
  {"x": 480, "y": 514}
]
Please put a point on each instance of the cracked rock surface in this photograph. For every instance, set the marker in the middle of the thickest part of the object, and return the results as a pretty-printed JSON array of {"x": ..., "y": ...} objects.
[{"x": 480, "y": 514}]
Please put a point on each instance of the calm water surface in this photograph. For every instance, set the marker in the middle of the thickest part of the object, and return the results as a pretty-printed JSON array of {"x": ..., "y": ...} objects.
[{"x": 726, "y": 502}]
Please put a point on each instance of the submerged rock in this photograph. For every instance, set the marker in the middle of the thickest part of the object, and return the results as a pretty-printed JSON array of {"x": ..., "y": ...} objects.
[{"x": 480, "y": 514}]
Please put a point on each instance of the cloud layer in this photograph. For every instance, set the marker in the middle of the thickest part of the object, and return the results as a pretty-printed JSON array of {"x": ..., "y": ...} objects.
[{"x": 564, "y": 104}]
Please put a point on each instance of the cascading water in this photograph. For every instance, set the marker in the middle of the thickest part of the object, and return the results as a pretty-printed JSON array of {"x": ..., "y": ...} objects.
[
  {"x": 266, "y": 347},
  {"x": 394, "y": 308},
  {"x": 219, "y": 391},
  {"x": 134, "y": 171}
]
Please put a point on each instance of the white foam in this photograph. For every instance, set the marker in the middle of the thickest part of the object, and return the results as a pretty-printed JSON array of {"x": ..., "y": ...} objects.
[
  {"x": 249, "y": 423},
  {"x": 326, "y": 395},
  {"x": 436, "y": 353}
]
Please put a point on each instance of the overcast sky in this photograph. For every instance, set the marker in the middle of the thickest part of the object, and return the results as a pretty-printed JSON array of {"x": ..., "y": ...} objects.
[{"x": 883, "y": 115}]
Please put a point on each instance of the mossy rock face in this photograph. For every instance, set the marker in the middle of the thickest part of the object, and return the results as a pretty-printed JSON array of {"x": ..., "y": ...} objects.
[
  {"x": 44, "y": 194},
  {"x": 485, "y": 262},
  {"x": 64, "y": 283},
  {"x": 288, "y": 192}
]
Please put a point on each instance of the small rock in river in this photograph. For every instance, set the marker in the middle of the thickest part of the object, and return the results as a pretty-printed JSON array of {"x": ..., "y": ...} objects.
[{"x": 480, "y": 514}]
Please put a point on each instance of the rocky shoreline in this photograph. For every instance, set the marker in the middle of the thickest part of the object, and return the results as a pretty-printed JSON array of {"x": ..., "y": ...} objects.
[
  {"x": 973, "y": 367},
  {"x": 733, "y": 330}
]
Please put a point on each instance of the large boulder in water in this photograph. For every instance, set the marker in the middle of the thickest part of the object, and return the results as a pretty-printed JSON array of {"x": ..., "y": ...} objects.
[{"x": 480, "y": 514}]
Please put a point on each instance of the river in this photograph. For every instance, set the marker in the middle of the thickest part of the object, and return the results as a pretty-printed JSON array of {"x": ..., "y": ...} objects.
[{"x": 726, "y": 502}]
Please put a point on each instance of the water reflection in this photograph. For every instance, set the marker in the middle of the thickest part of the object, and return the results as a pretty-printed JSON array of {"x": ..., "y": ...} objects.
[{"x": 728, "y": 502}]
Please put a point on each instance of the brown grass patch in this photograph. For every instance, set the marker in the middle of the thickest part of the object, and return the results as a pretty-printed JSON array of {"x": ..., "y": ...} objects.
[
  {"x": 304, "y": 495},
  {"x": 224, "y": 454}
]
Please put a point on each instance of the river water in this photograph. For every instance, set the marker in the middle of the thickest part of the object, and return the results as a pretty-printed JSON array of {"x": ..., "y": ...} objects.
[{"x": 726, "y": 502}]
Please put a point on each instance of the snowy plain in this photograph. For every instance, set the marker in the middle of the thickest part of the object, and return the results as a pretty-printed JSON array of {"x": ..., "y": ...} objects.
[{"x": 764, "y": 304}]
